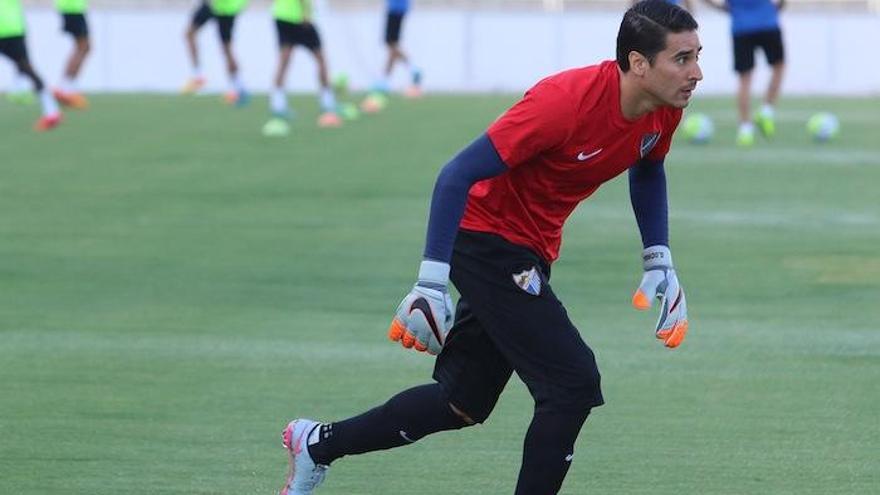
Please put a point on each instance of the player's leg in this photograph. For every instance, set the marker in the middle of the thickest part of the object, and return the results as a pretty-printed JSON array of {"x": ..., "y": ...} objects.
[
  {"x": 16, "y": 50},
  {"x": 201, "y": 15},
  {"x": 771, "y": 43},
  {"x": 743, "y": 63},
  {"x": 507, "y": 286},
  {"x": 471, "y": 375},
  {"x": 67, "y": 92},
  {"x": 310, "y": 38},
  {"x": 237, "y": 94},
  {"x": 278, "y": 124}
]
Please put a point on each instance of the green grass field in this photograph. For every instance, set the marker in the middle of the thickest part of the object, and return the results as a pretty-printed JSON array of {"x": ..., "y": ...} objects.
[{"x": 175, "y": 287}]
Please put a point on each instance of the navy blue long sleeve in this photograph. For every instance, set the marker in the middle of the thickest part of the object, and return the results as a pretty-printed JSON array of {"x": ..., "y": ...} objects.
[
  {"x": 647, "y": 192},
  {"x": 478, "y": 161}
]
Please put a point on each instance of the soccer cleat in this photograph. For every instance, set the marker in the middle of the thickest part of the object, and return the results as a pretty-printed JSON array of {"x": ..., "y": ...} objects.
[
  {"x": 48, "y": 122},
  {"x": 71, "y": 100},
  {"x": 413, "y": 92},
  {"x": 745, "y": 138},
  {"x": 237, "y": 98},
  {"x": 193, "y": 86},
  {"x": 303, "y": 475},
  {"x": 329, "y": 119},
  {"x": 765, "y": 124}
]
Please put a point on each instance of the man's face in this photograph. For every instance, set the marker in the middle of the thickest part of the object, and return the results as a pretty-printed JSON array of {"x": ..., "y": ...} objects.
[{"x": 674, "y": 75}]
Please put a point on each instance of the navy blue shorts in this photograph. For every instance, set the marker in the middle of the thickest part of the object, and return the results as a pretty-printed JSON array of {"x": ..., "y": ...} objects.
[
  {"x": 744, "y": 46},
  {"x": 201, "y": 15},
  {"x": 14, "y": 48},
  {"x": 303, "y": 33},
  {"x": 75, "y": 25},
  {"x": 225, "y": 23},
  {"x": 508, "y": 319},
  {"x": 393, "y": 23}
]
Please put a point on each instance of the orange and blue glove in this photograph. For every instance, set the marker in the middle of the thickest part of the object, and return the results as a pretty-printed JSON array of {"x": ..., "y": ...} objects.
[
  {"x": 660, "y": 282},
  {"x": 425, "y": 315}
]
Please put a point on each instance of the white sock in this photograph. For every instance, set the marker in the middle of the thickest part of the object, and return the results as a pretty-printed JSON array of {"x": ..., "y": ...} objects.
[
  {"x": 67, "y": 85},
  {"x": 237, "y": 84},
  {"x": 278, "y": 101},
  {"x": 328, "y": 100},
  {"x": 746, "y": 127},
  {"x": 50, "y": 106},
  {"x": 767, "y": 110}
]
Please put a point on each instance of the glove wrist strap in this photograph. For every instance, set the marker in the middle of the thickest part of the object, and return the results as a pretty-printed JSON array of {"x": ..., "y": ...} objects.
[
  {"x": 657, "y": 256},
  {"x": 434, "y": 272}
]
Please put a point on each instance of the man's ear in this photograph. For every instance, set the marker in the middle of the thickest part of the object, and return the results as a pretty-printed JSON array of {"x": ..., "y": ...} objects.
[{"x": 638, "y": 64}]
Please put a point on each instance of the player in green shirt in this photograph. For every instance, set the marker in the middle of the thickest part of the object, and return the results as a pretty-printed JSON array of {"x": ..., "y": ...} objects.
[
  {"x": 224, "y": 12},
  {"x": 73, "y": 15},
  {"x": 293, "y": 20},
  {"x": 12, "y": 45}
]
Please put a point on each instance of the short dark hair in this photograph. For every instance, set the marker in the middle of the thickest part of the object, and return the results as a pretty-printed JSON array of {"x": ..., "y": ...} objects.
[{"x": 644, "y": 28}]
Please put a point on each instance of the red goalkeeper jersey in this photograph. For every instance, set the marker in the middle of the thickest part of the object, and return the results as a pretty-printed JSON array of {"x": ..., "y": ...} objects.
[{"x": 561, "y": 141}]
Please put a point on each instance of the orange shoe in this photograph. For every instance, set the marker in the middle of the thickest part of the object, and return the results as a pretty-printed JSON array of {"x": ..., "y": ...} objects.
[
  {"x": 193, "y": 86},
  {"x": 72, "y": 100},
  {"x": 413, "y": 92},
  {"x": 329, "y": 119},
  {"x": 48, "y": 122}
]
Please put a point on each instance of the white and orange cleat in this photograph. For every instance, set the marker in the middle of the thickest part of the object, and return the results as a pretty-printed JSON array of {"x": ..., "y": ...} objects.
[
  {"x": 193, "y": 86},
  {"x": 71, "y": 100},
  {"x": 413, "y": 92},
  {"x": 303, "y": 475},
  {"x": 48, "y": 122},
  {"x": 329, "y": 119}
]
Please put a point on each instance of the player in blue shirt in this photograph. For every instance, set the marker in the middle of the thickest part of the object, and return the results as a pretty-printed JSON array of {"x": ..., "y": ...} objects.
[
  {"x": 397, "y": 10},
  {"x": 755, "y": 24}
]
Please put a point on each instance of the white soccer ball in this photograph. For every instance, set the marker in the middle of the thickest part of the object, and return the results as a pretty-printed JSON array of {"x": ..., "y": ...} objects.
[
  {"x": 823, "y": 126},
  {"x": 698, "y": 128}
]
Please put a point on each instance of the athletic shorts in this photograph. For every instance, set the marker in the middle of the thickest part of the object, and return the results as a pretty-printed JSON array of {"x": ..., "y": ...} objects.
[
  {"x": 201, "y": 15},
  {"x": 75, "y": 25},
  {"x": 508, "y": 319},
  {"x": 392, "y": 27},
  {"x": 744, "y": 46},
  {"x": 225, "y": 23},
  {"x": 303, "y": 34},
  {"x": 14, "y": 48}
]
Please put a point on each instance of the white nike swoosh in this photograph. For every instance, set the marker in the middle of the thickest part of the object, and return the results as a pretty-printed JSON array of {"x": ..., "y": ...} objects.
[
  {"x": 582, "y": 156},
  {"x": 405, "y": 437},
  {"x": 569, "y": 457}
]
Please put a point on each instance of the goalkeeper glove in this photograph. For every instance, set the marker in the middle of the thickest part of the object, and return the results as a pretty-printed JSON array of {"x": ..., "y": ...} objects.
[
  {"x": 425, "y": 315},
  {"x": 660, "y": 281}
]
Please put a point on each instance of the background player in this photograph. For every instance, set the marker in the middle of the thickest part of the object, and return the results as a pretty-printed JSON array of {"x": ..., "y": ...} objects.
[
  {"x": 224, "y": 12},
  {"x": 12, "y": 45},
  {"x": 293, "y": 20},
  {"x": 495, "y": 227},
  {"x": 755, "y": 24},
  {"x": 73, "y": 15},
  {"x": 396, "y": 12}
]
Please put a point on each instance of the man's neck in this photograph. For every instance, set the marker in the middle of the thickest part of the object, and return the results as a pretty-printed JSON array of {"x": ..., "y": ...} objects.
[{"x": 634, "y": 102}]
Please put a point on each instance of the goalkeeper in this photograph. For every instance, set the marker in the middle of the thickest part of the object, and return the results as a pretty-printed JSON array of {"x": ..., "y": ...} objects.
[{"x": 495, "y": 227}]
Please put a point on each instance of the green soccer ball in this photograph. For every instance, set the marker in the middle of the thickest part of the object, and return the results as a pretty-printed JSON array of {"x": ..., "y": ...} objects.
[
  {"x": 823, "y": 127},
  {"x": 698, "y": 128},
  {"x": 276, "y": 127},
  {"x": 349, "y": 111},
  {"x": 340, "y": 84}
]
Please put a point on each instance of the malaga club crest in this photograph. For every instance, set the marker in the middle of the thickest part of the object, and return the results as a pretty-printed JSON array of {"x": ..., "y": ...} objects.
[
  {"x": 648, "y": 143},
  {"x": 529, "y": 281}
]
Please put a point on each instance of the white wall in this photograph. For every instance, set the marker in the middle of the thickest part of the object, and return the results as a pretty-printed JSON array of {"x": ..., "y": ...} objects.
[{"x": 142, "y": 50}]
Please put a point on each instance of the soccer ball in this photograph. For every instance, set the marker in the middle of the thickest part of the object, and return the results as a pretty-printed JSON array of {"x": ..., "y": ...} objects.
[
  {"x": 823, "y": 126},
  {"x": 698, "y": 128},
  {"x": 349, "y": 111},
  {"x": 276, "y": 127}
]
